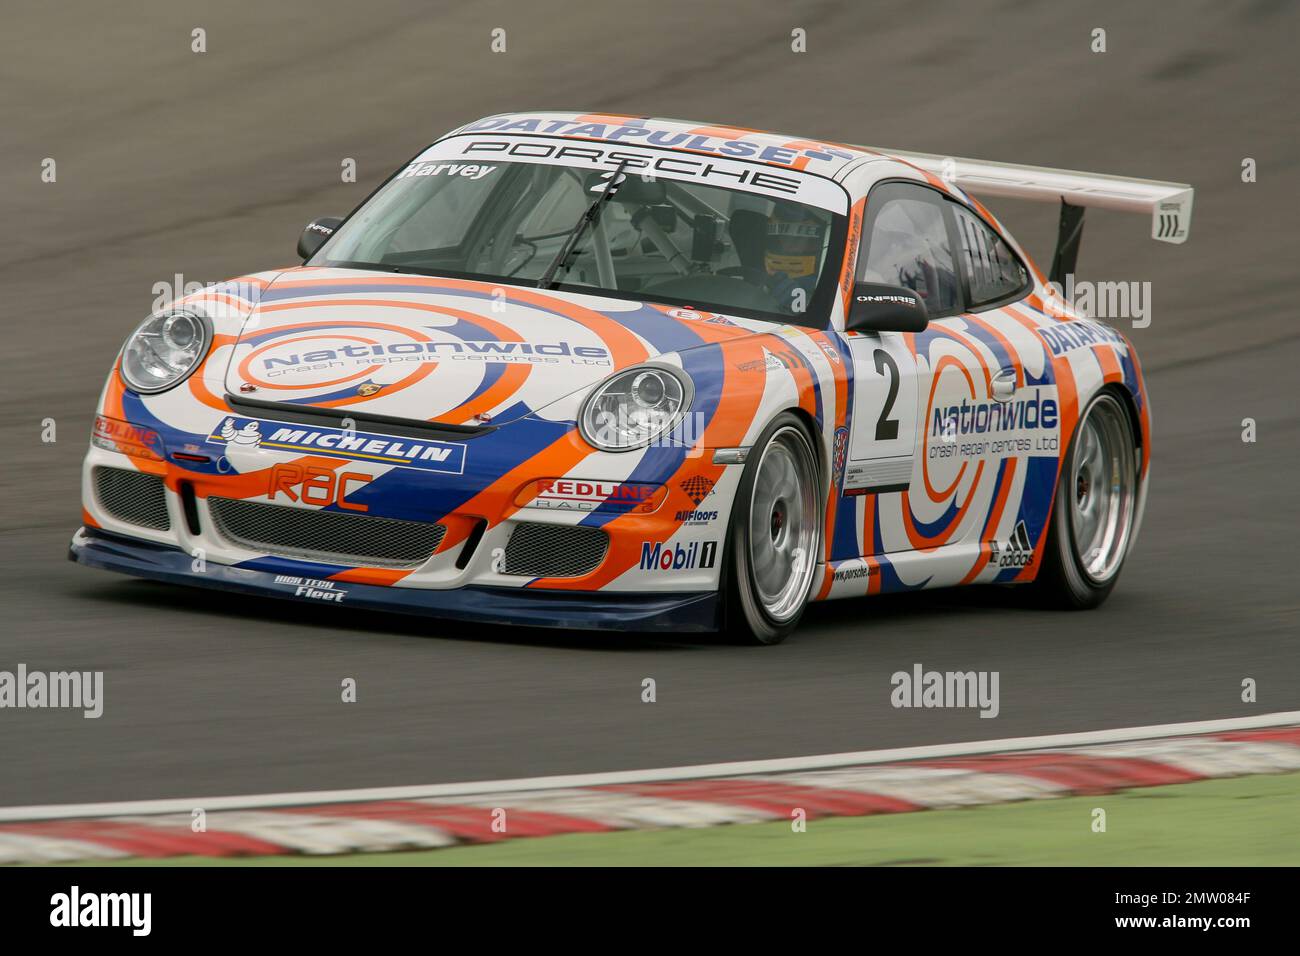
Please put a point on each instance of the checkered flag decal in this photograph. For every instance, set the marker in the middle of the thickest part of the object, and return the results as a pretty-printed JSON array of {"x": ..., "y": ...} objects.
[{"x": 697, "y": 488}]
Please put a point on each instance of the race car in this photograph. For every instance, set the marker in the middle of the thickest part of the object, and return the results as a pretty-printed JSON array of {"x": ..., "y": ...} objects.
[{"x": 616, "y": 372}]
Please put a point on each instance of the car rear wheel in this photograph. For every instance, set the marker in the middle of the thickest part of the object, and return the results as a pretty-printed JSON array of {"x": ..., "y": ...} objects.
[
  {"x": 776, "y": 531},
  {"x": 1092, "y": 516}
]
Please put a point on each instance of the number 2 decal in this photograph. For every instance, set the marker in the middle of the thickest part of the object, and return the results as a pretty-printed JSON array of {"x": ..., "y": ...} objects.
[
  {"x": 883, "y": 430},
  {"x": 886, "y": 427}
]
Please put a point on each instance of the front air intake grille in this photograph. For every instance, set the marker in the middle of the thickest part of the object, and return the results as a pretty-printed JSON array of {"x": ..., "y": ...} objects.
[
  {"x": 132, "y": 496},
  {"x": 554, "y": 551},
  {"x": 329, "y": 536}
]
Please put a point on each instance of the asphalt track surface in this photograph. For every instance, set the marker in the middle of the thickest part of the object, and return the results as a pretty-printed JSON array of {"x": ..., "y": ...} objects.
[{"x": 208, "y": 165}]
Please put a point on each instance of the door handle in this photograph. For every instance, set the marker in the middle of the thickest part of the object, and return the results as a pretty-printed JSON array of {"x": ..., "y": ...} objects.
[{"x": 1003, "y": 385}]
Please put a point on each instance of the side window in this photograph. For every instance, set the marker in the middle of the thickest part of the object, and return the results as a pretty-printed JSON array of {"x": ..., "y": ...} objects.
[
  {"x": 995, "y": 272},
  {"x": 907, "y": 245}
]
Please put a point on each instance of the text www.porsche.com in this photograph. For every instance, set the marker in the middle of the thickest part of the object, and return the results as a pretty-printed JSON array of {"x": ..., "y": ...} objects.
[{"x": 1203, "y": 923}]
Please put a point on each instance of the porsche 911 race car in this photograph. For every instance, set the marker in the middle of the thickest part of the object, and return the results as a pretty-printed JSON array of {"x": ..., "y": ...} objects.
[{"x": 602, "y": 371}]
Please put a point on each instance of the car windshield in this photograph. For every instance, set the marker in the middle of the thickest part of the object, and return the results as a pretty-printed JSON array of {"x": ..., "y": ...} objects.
[{"x": 682, "y": 243}]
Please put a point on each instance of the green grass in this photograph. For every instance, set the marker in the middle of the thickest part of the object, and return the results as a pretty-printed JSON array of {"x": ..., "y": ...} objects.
[{"x": 1243, "y": 821}]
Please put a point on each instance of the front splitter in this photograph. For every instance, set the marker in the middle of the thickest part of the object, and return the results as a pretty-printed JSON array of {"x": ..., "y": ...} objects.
[{"x": 586, "y": 610}]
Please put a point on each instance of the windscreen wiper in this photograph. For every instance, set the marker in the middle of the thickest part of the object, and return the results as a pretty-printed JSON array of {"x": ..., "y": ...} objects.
[{"x": 585, "y": 221}]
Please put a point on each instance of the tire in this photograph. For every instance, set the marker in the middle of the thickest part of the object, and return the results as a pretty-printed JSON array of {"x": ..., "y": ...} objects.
[
  {"x": 775, "y": 535},
  {"x": 1094, "y": 509}
]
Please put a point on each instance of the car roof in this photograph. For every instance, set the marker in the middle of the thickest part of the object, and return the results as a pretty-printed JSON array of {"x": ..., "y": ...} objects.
[{"x": 820, "y": 157}]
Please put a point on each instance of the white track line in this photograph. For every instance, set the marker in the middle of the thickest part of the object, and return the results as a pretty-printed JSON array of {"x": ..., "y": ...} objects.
[{"x": 700, "y": 771}]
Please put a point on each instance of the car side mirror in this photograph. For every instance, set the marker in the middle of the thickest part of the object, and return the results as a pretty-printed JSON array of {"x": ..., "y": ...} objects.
[
  {"x": 885, "y": 308},
  {"x": 314, "y": 235}
]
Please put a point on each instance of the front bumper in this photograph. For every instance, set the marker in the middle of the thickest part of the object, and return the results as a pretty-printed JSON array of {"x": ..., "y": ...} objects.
[{"x": 596, "y": 610}]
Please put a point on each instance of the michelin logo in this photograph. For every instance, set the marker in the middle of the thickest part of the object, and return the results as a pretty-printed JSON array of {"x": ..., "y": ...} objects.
[
  {"x": 252, "y": 433},
  {"x": 248, "y": 434}
]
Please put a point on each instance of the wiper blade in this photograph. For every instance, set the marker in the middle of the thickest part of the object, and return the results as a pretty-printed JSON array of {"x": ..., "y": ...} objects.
[{"x": 585, "y": 221}]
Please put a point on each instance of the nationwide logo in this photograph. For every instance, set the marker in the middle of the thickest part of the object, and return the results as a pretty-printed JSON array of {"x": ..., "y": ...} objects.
[
  {"x": 655, "y": 556},
  {"x": 1018, "y": 552},
  {"x": 566, "y": 494},
  {"x": 982, "y": 417},
  {"x": 313, "y": 589},
  {"x": 361, "y": 351},
  {"x": 697, "y": 488},
  {"x": 370, "y": 354},
  {"x": 253, "y": 433}
]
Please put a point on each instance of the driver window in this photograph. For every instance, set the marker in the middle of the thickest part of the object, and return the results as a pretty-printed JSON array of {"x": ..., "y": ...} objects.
[{"x": 908, "y": 245}]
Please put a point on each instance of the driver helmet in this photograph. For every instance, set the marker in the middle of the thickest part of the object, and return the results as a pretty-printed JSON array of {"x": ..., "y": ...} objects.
[{"x": 795, "y": 239}]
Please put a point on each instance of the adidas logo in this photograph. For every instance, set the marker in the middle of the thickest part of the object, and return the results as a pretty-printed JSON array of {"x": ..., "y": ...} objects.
[{"x": 1018, "y": 551}]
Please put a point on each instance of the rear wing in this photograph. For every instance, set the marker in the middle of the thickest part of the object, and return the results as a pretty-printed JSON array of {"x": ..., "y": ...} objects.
[{"x": 1168, "y": 204}]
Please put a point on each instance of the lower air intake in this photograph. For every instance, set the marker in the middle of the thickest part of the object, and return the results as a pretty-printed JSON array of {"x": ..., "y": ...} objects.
[
  {"x": 132, "y": 496},
  {"x": 331, "y": 537},
  {"x": 554, "y": 551}
]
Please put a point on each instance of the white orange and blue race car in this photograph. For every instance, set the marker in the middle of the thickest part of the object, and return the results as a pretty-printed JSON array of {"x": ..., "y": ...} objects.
[{"x": 603, "y": 371}]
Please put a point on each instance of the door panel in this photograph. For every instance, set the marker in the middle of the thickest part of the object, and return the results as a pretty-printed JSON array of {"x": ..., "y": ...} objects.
[
  {"x": 951, "y": 438},
  {"x": 956, "y": 473},
  {"x": 908, "y": 241},
  {"x": 882, "y": 441}
]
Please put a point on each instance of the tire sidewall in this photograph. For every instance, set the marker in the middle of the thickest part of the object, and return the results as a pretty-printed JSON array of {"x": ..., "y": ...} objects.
[
  {"x": 1079, "y": 589},
  {"x": 745, "y": 618}
]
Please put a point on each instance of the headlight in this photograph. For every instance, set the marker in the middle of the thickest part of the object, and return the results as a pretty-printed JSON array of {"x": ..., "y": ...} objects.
[
  {"x": 634, "y": 407},
  {"x": 165, "y": 349}
]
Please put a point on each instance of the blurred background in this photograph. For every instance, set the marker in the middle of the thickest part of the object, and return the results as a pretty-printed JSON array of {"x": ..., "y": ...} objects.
[{"x": 209, "y": 164}]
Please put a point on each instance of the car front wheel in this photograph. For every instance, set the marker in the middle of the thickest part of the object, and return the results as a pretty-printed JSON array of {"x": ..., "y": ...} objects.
[{"x": 776, "y": 531}]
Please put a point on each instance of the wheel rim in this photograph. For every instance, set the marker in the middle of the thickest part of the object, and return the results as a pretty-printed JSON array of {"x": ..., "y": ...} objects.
[
  {"x": 783, "y": 516},
  {"x": 1102, "y": 489}
]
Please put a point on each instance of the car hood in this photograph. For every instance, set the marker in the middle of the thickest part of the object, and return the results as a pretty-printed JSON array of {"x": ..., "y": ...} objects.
[{"x": 450, "y": 351}]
